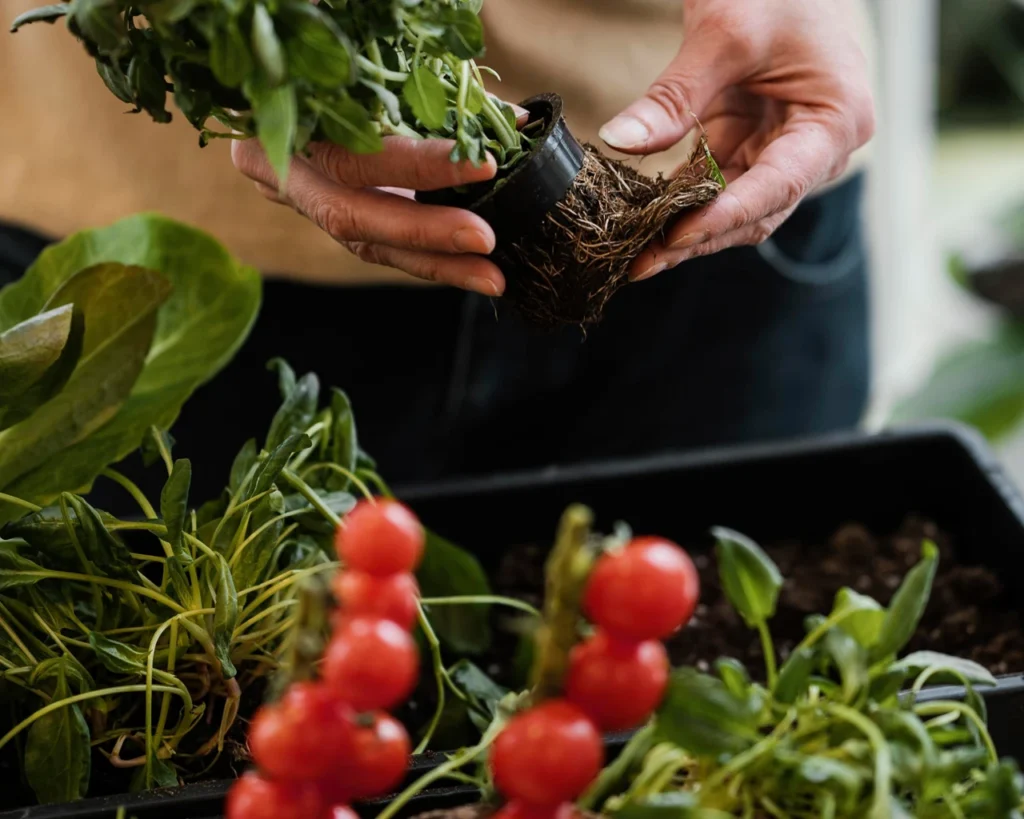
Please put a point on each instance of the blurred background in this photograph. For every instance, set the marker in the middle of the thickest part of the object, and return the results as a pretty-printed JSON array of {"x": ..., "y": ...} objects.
[{"x": 946, "y": 212}]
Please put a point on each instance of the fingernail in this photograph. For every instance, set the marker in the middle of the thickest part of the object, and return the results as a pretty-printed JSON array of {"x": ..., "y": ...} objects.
[
  {"x": 689, "y": 240},
  {"x": 469, "y": 240},
  {"x": 485, "y": 287},
  {"x": 625, "y": 132},
  {"x": 651, "y": 271}
]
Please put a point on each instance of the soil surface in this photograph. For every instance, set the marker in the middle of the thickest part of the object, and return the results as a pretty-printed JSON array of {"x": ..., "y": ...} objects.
[{"x": 969, "y": 614}]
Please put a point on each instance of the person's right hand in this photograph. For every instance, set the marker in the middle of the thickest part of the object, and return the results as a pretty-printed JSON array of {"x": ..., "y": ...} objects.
[{"x": 365, "y": 202}]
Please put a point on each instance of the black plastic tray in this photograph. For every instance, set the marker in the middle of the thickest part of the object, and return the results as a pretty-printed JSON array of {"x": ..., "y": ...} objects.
[{"x": 802, "y": 489}]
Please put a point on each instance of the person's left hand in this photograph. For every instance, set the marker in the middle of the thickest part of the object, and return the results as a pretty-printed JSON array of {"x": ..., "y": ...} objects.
[{"x": 782, "y": 90}]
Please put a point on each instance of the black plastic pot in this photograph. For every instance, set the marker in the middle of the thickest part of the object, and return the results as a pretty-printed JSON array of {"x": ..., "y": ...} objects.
[
  {"x": 803, "y": 489},
  {"x": 518, "y": 203}
]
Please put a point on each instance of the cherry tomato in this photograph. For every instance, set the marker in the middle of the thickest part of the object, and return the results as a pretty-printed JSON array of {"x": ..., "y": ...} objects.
[
  {"x": 618, "y": 684},
  {"x": 524, "y": 810},
  {"x": 371, "y": 664},
  {"x": 644, "y": 592},
  {"x": 377, "y": 764},
  {"x": 380, "y": 537},
  {"x": 308, "y": 716},
  {"x": 253, "y": 797},
  {"x": 365, "y": 595},
  {"x": 547, "y": 755}
]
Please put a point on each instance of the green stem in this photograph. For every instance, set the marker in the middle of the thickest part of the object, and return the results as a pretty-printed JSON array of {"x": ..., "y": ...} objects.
[
  {"x": 380, "y": 71},
  {"x": 439, "y": 675},
  {"x": 616, "y": 771},
  {"x": 376, "y": 480},
  {"x": 83, "y": 697},
  {"x": 508, "y": 137},
  {"x": 340, "y": 470},
  {"x": 883, "y": 759},
  {"x": 481, "y": 600},
  {"x": 104, "y": 581},
  {"x": 309, "y": 494},
  {"x": 769, "y": 653},
  {"x": 24, "y": 504},
  {"x": 440, "y": 772},
  {"x": 133, "y": 490},
  {"x": 945, "y": 706}
]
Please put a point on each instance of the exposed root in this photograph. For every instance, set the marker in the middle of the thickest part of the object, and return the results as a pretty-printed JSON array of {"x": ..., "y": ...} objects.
[{"x": 568, "y": 269}]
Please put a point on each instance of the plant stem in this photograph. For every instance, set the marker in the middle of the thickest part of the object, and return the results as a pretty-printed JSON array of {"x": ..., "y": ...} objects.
[
  {"x": 87, "y": 695},
  {"x": 376, "y": 479},
  {"x": 24, "y": 504},
  {"x": 133, "y": 490},
  {"x": 440, "y": 772},
  {"x": 439, "y": 675},
  {"x": 883, "y": 759},
  {"x": 769, "y": 653},
  {"x": 481, "y": 600},
  {"x": 310, "y": 494},
  {"x": 508, "y": 137},
  {"x": 124, "y": 585},
  {"x": 944, "y": 706},
  {"x": 340, "y": 470}
]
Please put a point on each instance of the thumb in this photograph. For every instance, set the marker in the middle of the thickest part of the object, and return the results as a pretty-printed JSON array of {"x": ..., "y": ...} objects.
[{"x": 665, "y": 114}]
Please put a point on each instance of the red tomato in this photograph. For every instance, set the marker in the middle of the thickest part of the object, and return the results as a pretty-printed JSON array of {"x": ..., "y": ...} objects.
[
  {"x": 523, "y": 810},
  {"x": 308, "y": 716},
  {"x": 547, "y": 755},
  {"x": 377, "y": 764},
  {"x": 380, "y": 537},
  {"x": 341, "y": 812},
  {"x": 371, "y": 664},
  {"x": 364, "y": 595},
  {"x": 644, "y": 592},
  {"x": 253, "y": 797},
  {"x": 618, "y": 684}
]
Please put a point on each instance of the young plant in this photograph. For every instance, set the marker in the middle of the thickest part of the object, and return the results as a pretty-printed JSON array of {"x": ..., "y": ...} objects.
[
  {"x": 352, "y": 72},
  {"x": 840, "y": 730}
]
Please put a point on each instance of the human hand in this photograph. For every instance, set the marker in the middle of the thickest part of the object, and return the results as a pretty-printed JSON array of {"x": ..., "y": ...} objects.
[
  {"x": 782, "y": 89},
  {"x": 365, "y": 202}
]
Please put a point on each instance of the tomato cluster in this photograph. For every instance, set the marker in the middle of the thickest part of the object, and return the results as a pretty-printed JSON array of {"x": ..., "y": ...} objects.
[
  {"x": 329, "y": 742},
  {"x": 547, "y": 756}
]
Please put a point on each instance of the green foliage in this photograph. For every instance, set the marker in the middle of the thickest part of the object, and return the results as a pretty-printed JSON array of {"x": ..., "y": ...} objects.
[
  {"x": 291, "y": 72},
  {"x": 831, "y": 737},
  {"x": 105, "y": 336}
]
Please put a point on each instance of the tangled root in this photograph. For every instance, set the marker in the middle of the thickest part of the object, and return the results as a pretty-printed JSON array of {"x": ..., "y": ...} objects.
[{"x": 568, "y": 269}]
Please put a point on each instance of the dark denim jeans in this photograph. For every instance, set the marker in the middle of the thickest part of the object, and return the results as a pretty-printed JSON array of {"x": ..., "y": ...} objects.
[{"x": 750, "y": 344}]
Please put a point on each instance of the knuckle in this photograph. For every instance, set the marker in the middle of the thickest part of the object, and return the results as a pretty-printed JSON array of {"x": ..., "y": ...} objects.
[
  {"x": 669, "y": 93},
  {"x": 336, "y": 164},
  {"x": 762, "y": 232}
]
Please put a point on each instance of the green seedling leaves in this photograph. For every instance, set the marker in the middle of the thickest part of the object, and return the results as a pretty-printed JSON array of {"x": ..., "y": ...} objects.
[
  {"x": 104, "y": 551},
  {"x": 174, "y": 507},
  {"x": 244, "y": 461},
  {"x": 750, "y": 579},
  {"x": 444, "y": 571},
  {"x": 944, "y": 669},
  {"x": 344, "y": 441},
  {"x": 296, "y": 412},
  {"x": 703, "y": 717},
  {"x": 267, "y": 46},
  {"x": 426, "y": 96},
  {"x": 347, "y": 123},
  {"x": 225, "y": 618},
  {"x": 277, "y": 122},
  {"x": 795, "y": 676},
  {"x": 859, "y": 616},
  {"x": 908, "y": 605},
  {"x": 317, "y": 49},
  {"x": 58, "y": 755},
  {"x": 117, "y": 657}
]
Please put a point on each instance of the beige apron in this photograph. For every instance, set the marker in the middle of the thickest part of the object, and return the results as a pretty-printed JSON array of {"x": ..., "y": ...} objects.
[{"x": 70, "y": 157}]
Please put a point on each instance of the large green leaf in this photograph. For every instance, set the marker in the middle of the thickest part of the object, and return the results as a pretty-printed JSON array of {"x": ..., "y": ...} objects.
[
  {"x": 446, "y": 571},
  {"x": 119, "y": 303},
  {"x": 201, "y": 325},
  {"x": 57, "y": 752}
]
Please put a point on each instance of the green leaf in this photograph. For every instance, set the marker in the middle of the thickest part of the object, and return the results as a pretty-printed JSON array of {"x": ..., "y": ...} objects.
[
  {"x": 446, "y": 571},
  {"x": 703, "y": 717},
  {"x": 347, "y": 123},
  {"x": 161, "y": 775},
  {"x": 960, "y": 669},
  {"x": 908, "y": 604},
  {"x": 244, "y": 461},
  {"x": 464, "y": 33},
  {"x": 115, "y": 79},
  {"x": 174, "y": 507},
  {"x": 269, "y": 471},
  {"x": 864, "y": 622},
  {"x": 734, "y": 675},
  {"x": 58, "y": 755},
  {"x": 750, "y": 579},
  {"x": 392, "y": 105},
  {"x": 296, "y": 414},
  {"x": 887, "y": 685},
  {"x": 30, "y": 349},
  {"x": 117, "y": 657},
  {"x": 100, "y": 22},
  {"x": 106, "y": 552},
  {"x": 344, "y": 441},
  {"x": 277, "y": 121},
  {"x": 149, "y": 88},
  {"x": 286, "y": 380},
  {"x": 843, "y": 780},
  {"x": 317, "y": 49},
  {"x": 256, "y": 561},
  {"x": 119, "y": 304},
  {"x": 794, "y": 676},
  {"x": 851, "y": 658},
  {"x": 482, "y": 693},
  {"x": 210, "y": 310},
  {"x": 230, "y": 59},
  {"x": 63, "y": 669},
  {"x": 267, "y": 46},
  {"x": 155, "y": 443},
  {"x": 426, "y": 96},
  {"x": 339, "y": 501},
  {"x": 43, "y": 14},
  {"x": 225, "y": 618}
]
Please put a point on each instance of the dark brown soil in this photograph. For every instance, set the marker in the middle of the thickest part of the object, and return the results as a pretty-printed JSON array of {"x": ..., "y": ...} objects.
[{"x": 969, "y": 614}]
